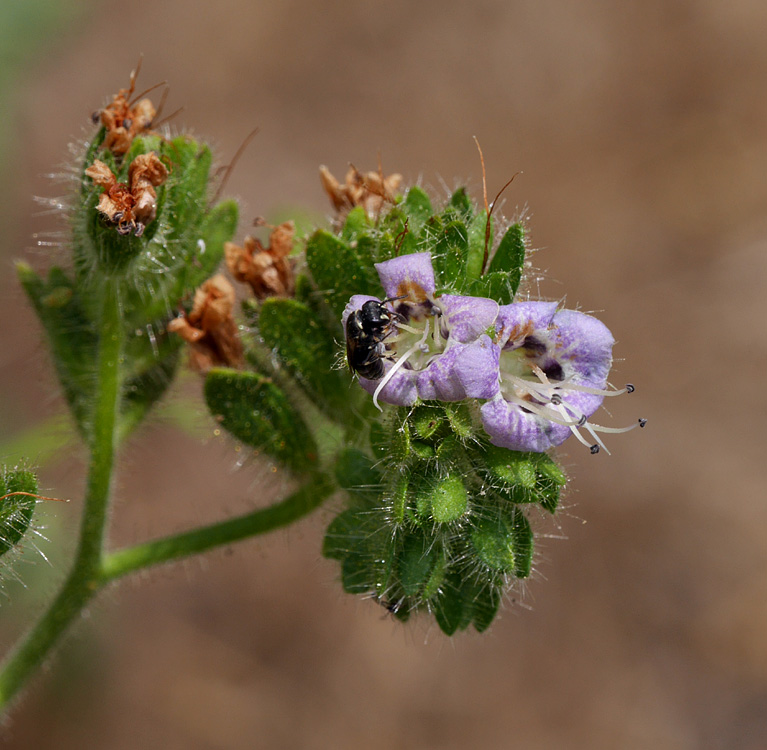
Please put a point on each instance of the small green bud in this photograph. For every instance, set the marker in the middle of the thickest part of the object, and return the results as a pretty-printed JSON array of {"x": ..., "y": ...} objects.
[
  {"x": 449, "y": 499},
  {"x": 16, "y": 510}
]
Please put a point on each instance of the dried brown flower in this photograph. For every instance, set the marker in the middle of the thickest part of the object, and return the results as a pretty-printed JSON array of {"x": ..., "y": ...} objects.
[
  {"x": 268, "y": 270},
  {"x": 145, "y": 173},
  {"x": 369, "y": 190},
  {"x": 124, "y": 119},
  {"x": 210, "y": 328},
  {"x": 131, "y": 207}
]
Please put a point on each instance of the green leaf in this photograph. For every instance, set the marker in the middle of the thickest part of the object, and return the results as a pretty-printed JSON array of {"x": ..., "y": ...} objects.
[
  {"x": 476, "y": 253},
  {"x": 339, "y": 270},
  {"x": 498, "y": 285},
  {"x": 416, "y": 561},
  {"x": 336, "y": 545},
  {"x": 418, "y": 208},
  {"x": 255, "y": 411},
  {"x": 16, "y": 510},
  {"x": 461, "y": 202},
  {"x": 509, "y": 258},
  {"x": 357, "y": 474},
  {"x": 356, "y": 224},
  {"x": 71, "y": 337},
  {"x": 290, "y": 328},
  {"x": 450, "y": 253}
]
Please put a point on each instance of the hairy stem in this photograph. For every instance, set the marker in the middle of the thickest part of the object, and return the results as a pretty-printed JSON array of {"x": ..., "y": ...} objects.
[
  {"x": 83, "y": 580},
  {"x": 295, "y": 506}
]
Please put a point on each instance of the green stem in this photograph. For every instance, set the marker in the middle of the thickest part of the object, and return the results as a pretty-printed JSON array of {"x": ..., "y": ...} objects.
[
  {"x": 297, "y": 505},
  {"x": 83, "y": 580}
]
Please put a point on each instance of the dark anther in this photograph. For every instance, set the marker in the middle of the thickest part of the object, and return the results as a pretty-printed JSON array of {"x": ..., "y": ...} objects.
[
  {"x": 642, "y": 422},
  {"x": 582, "y": 421},
  {"x": 594, "y": 449},
  {"x": 96, "y": 116},
  {"x": 556, "y": 399},
  {"x": 630, "y": 388}
]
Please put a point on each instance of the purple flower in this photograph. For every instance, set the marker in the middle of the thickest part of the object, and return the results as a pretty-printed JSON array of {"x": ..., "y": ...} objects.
[
  {"x": 552, "y": 376},
  {"x": 431, "y": 334}
]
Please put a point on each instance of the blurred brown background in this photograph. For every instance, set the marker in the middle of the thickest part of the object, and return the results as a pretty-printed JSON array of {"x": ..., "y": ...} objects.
[{"x": 641, "y": 131}]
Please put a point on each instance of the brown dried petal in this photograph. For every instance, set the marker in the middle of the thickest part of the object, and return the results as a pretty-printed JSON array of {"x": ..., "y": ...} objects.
[
  {"x": 281, "y": 239},
  {"x": 369, "y": 190},
  {"x": 210, "y": 327},
  {"x": 101, "y": 174},
  {"x": 268, "y": 270},
  {"x": 144, "y": 174}
]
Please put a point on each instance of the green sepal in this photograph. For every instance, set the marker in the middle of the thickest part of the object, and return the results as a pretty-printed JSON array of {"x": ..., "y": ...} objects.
[
  {"x": 339, "y": 270},
  {"x": 415, "y": 564},
  {"x": 355, "y": 225},
  {"x": 427, "y": 420},
  {"x": 292, "y": 330},
  {"x": 522, "y": 542},
  {"x": 460, "y": 420},
  {"x": 550, "y": 482},
  {"x": 512, "y": 468},
  {"x": 485, "y": 606},
  {"x": 494, "y": 544},
  {"x": 16, "y": 511},
  {"x": 255, "y": 411},
  {"x": 399, "y": 499},
  {"x": 453, "y": 609}
]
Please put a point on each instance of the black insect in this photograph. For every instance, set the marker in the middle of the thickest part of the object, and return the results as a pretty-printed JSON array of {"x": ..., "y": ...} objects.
[{"x": 366, "y": 330}]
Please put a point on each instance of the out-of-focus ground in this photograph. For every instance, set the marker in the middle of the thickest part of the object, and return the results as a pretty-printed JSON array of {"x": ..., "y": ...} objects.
[{"x": 641, "y": 130}]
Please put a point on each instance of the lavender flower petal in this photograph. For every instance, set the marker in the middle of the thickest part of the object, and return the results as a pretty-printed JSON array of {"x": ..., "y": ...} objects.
[
  {"x": 467, "y": 317},
  {"x": 438, "y": 381},
  {"x": 509, "y": 426},
  {"x": 408, "y": 275},
  {"x": 401, "y": 390},
  {"x": 476, "y": 368}
]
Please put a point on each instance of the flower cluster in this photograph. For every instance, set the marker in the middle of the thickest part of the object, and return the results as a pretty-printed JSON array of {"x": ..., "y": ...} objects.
[{"x": 539, "y": 371}]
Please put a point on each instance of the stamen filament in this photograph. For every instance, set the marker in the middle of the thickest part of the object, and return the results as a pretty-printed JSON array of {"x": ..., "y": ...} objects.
[{"x": 401, "y": 361}]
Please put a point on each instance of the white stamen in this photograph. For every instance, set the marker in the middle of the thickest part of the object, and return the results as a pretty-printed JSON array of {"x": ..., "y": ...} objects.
[
  {"x": 401, "y": 361},
  {"x": 554, "y": 408}
]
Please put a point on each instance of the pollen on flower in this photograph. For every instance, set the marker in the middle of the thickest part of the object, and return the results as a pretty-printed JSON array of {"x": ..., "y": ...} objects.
[{"x": 209, "y": 328}]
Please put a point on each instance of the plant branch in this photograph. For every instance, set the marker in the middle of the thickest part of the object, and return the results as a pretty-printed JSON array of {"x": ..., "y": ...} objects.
[
  {"x": 295, "y": 506},
  {"x": 83, "y": 581}
]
